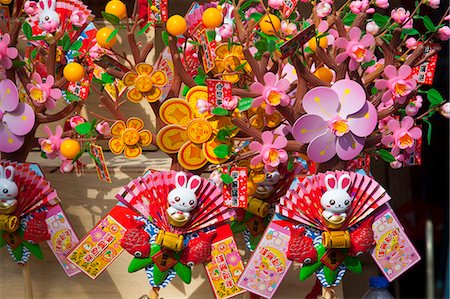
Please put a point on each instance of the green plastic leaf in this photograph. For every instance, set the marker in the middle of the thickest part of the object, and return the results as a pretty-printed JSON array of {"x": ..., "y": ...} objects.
[
  {"x": 110, "y": 18},
  {"x": 353, "y": 264},
  {"x": 33, "y": 54},
  {"x": 256, "y": 16},
  {"x": 222, "y": 151},
  {"x": 18, "y": 63},
  {"x": 137, "y": 264},
  {"x": 38, "y": 37},
  {"x": 43, "y": 155},
  {"x": 428, "y": 23},
  {"x": 112, "y": 35},
  {"x": 271, "y": 47},
  {"x": 226, "y": 178},
  {"x": 211, "y": 34},
  {"x": 373, "y": 90},
  {"x": 386, "y": 156},
  {"x": 246, "y": 4},
  {"x": 70, "y": 97},
  {"x": 330, "y": 275},
  {"x": 307, "y": 270},
  {"x": 27, "y": 30},
  {"x": 222, "y": 135},
  {"x": 410, "y": 31},
  {"x": 2, "y": 241},
  {"x": 367, "y": 64},
  {"x": 430, "y": 127},
  {"x": 240, "y": 67},
  {"x": 18, "y": 252},
  {"x": 380, "y": 20},
  {"x": 348, "y": 19},
  {"x": 184, "y": 272},
  {"x": 219, "y": 111},
  {"x": 434, "y": 97},
  {"x": 76, "y": 45},
  {"x": 65, "y": 42},
  {"x": 83, "y": 128},
  {"x": 309, "y": 50},
  {"x": 154, "y": 249},
  {"x": 158, "y": 275},
  {"x": 261, "y": 45},
  {"x": 165, "y": 38},
  {"x": 254, "y": 240},
  {"x": 245, "y": 104},
  {"x": 35, "y": 249},
  {"x": 107, "y": 78},
  {"x": 142, "y": 31},
  {"x": 290, "y": 165},
  {"x": 238, "y": 226}
]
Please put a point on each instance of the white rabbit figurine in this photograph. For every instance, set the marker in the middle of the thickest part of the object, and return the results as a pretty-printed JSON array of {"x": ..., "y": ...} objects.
[
  {"x": 336, "y": 200},
  {"x": 8, "y": 188},
  {"x": 182, "y": 199},
  {"x": 48, "y": 17}
]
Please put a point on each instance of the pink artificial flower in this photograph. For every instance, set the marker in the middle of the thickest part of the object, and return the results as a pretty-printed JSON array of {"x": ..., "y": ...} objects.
[
  {"x": 41, "y": 91},
  {"x": 273, "y": 92},
  {"x": 376, "y": 66},
  {"x": 337, "y": 121},
  {"x": 444, "y": 110},
  {"x": 398, "y": 163},
  {"x": 67, "y": 166},
  {"x": 356, "y": 47},
  {"x": 402, "y": 136},
  {"x": 31, "y": 8},
  {"x": 78, "y": 18},
  {"x": 75, "y": 121},
  {"x": 359, "y": 6},
  {"x": 447, "y": 18},
  {"x": 382, "y": 3},
  {"x": 271, "y": 151},
  {"x": 372, "y": 28},
  {"x": 328, "y": 1},
  {"x": 400, "y": 15},
  {"x": 203, "y": 106},
  {"x": 288, "y": 28},
  {"x": 103, "y": 128},
  {"x": 443, "y": 33},
  {"x": 51, "y": 145},
  {"x": 433, "y": 3},
  {"x": 324, "y": 27},
  {"x": 408, "y": 24},
  {"x": 413, "y": 106},
  {"x": 323, "y": 9},
  {"x": 215, "y": 178},
  {"x": 7, "y": 53},
  {"x": 399, "y": 83},
  {"x": 370, "y": 10},
  {"x": 411, "y": 43},
  {"x": 275, "y": 4},
  {"x": 225, "y": 31},
  {"x": 382, "y": 124},
  {"x": 230, "y": 104}
]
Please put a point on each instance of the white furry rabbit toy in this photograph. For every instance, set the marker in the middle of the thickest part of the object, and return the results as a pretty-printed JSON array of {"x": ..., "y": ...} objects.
[
  {"x": 8, "y": 188},
  {"x": 48, "y": 17},
  {"x": 182, "y": 199},
  {"x": 336, "y": 200}
]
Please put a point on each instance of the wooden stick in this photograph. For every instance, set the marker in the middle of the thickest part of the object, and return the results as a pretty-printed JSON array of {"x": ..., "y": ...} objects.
[
  {"x": 328, "y": 293},
  {"x": 27, "y": 281},
  {"x": 154, "y": 293}
]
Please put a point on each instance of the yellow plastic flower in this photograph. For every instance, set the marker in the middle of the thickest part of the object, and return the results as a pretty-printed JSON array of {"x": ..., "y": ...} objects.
[
  {"x": 144, "y": 83},
  {"x": 129, "y": 137},
  {"x": 227, "y": 61}
]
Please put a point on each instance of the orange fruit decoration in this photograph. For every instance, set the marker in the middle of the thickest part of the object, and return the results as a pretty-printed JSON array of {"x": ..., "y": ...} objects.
[
  {"x": 70, "y": 148},
  {"x": 324, "y": 73},
  {"x": 270, "y": 24},
  {"x": 74, "y": 72},
  {"x": 212, "y": 17},
  {"x": 117, "y": 8},
  {"x": 176, "y": 25},
  {"x": 102, "y": 37},
  {"x": 323, "y": 43}
]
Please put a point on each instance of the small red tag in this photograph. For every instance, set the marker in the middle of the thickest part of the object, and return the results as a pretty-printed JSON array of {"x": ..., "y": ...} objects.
[
  {"x": 235, "y": 193},
  {"x": 218, "y": 91}
]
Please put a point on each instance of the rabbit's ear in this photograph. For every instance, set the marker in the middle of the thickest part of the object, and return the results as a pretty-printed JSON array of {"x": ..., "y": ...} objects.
[
  {"x": 2, "y": 172},
  {"x": 330, "y": 181},
  {"x": 344, "y": 182},
  {"x": 194, "y": 183},
  {"x": 52, "y": 4},
  {"x": 42, "y": 5},
  {"x": 9, "y": 173},
  {"x": 180, "y": 180}
]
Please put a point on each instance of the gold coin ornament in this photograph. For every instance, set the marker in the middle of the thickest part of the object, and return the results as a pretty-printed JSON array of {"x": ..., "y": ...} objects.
[
  {"x": 129, "y": 137},
  {"x": 144, "y": 83},
  {"x": 227, "y": 61}
]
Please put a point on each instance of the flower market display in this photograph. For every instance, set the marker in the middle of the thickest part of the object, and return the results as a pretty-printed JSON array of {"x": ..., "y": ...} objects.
[{"x": 280, "y": 109}]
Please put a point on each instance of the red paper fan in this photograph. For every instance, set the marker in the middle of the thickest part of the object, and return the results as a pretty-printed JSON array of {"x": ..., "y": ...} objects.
[
  {"x": 149, "y": 196},
  {"x": 303, "y": 200},
  {"x": 34, "y": 189}
]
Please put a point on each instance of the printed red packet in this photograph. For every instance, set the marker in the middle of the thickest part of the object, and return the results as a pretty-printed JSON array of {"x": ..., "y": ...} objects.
[
  {"x": 100, "y": 163},
  {"x": 235, "y": 193},
  {"x": 218, "y": 90},
  {"x": 424, "y": 73},
  {"x": 288, "y": 7}
]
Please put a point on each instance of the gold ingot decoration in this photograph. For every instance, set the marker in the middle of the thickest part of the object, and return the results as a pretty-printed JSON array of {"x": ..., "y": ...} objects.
[
  {"x": 258, "y": 207},
  {"x": 336, "y": 239},
  {"x": 170, "y": 240},
  {"x": 9, "y": 223}
]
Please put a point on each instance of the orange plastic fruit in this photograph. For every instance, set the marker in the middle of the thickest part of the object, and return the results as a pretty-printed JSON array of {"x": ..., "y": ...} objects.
[
  {"x": 312, "y": 43},
  {"x": 117, "y": 8},
  {"x": 270, "y": 24},
  {"x": 324, "y": 73},
  {"x": 74, "y": 72},
  {"x": 212, "y": 17},
  {"x": 70, "y": 148},
  {"x": 251, "y": 187},
  {"x": 102, "y": 37},
  {"x": 176, "y": 25}
]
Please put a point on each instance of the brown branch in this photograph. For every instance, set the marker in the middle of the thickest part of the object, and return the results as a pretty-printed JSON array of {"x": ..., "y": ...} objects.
[
  {"x": 302, "y": 88},
  {"x": 48, "y": 118},
  {"x": 178, "y": 65},
  {"x": 288, "y": 113},
  {"x": 51, "y": 58},
  {"x": 246, "y": 128},
  {"x": 110, "y": 105},
  {"x": 148, "y": 47},
  {"x": 132, "y": 40},
  {"x": 306, "y": 73},
  {"x": 388, "y": 52},
  {"x": 360, "y": 21},
  {"x": 115, "y": 73},
  {"x": 295, "y": 146},
  {"x": 326, "y": 59},
  {"x": 340, "y": 26}
]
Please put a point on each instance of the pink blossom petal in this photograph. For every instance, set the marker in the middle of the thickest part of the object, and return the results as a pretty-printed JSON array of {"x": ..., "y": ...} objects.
[
  {"x": 6, "y": 39},
  {"x": 321, "y": 101},
  {"x": 354, "y": 34},
  {"x": 12, "y": 53},
  {"x": 387, "y": 96},
  {"x": 323, "y": 26},
  {"x": 322, "y": 148},
  {"x": 381, "y": 84},
  {"x": 349, "y": 146},
  {"x": 257, "y": 87},
  {"x": 395, "y": 151},
  {"x": 255, "y": 146},
  {"x": 270, "y": 79},
  {"x": 9, "y": 96},
  {"x": 270, "y": 109},
  {"x": 416, "y": 132},
  {"x": 364, "y": 121},
  {"x": 257, "y": 101},
  {"x": 50, "y": 81},
  {"x": 55, "y": 93},
  {"x": 6, "y": 62},
  {"x": 267, "y": 137},
  {"x": 393, "y": 125},
  {"x": 367, "y": 40},
  {"x": 21, "y": 120},
  {"x": 256, "y": 160},
  {"x": 341, "y": 43},
  {"x": 283, "y": 84},
  {"x": 404, "y": 71},
  {"x": 353, "y": 65},
  {"x": 352, "y": 96},
  {"x": 10, "y": 142},
  {"x": 58, "y": 131},
  {"x": 37, "y": 78},
  {"x": 280, "y": 142},
  {"x": 285, "y": 100},
  {"x": 283, "y": 156},
  {"x": 50, "y": 104},
  {"x": 340, "y": 58},
  {"x": 47, "y": 130},
  {"x": 390, "y": 71},
  {"x": 369, "y": 56},
  {"x": 388, "y": 140},
  {"x": 308, "y": 127},
  {"x": 407, "y": 123}
]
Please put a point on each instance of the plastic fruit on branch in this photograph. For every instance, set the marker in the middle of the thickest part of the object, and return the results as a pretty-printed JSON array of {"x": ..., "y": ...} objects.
[
  {"x": 176, "y": 25},
  {"x": 74, "y": 72},
  {"x": 212, "y": 17},
  {"x": 102, "y": 38},
  {"x": 324, "y": 74},
  {"x": 312, "y": 43},
  {"x": 117, "y": 8},
  {"x": 270, "y": 24},
  {"x": 70, "y": 148}
]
